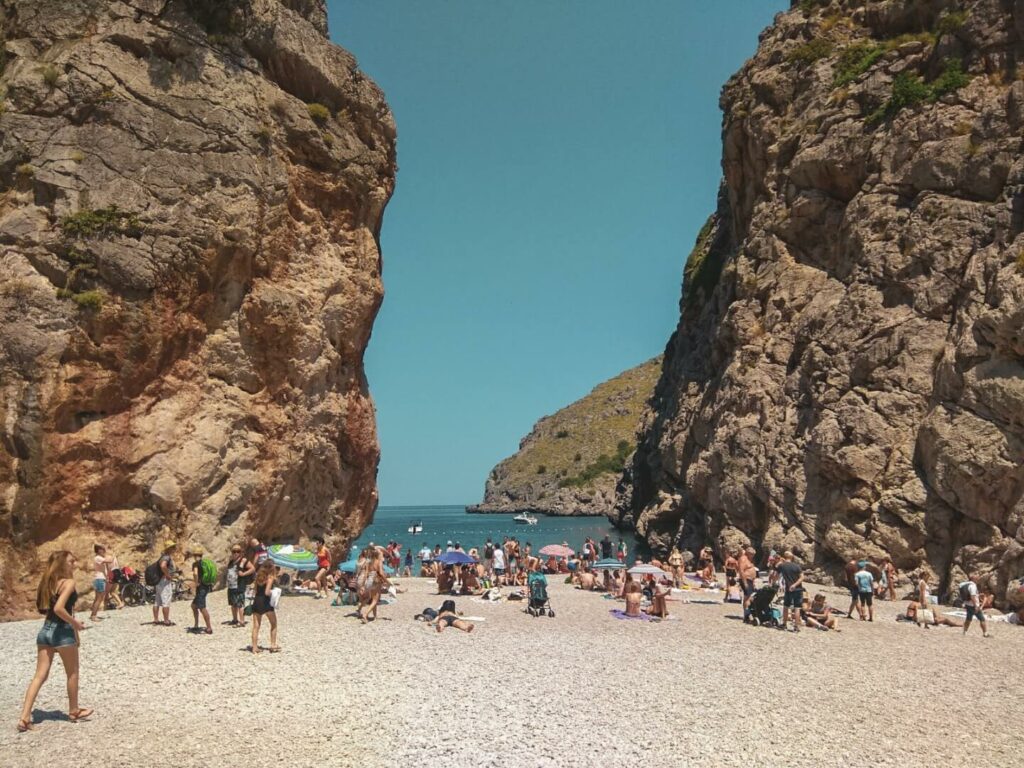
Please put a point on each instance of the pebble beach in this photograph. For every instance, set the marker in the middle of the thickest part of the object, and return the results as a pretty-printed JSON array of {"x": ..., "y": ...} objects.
[{"x": 580, "y": 689}]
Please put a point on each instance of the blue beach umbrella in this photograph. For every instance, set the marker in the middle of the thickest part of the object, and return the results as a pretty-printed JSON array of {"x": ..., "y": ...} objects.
[
  {"x": 295, "y": 558},
  {"x": 609, "y": 564},
  {"x": 455, "y": 558}
]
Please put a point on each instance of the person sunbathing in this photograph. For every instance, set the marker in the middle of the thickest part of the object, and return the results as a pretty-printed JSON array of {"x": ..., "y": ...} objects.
[
  {"x": 447, "y": 617},
  {"x": 445, "y": 580},
  {"x": 586, "y": 579},
  {"x": 916, "y": 609},
  {"x": 817, "y": 614},
  {"x": 470, "y": 582}
]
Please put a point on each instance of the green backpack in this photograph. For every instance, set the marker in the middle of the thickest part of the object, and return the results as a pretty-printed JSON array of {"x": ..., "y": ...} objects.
[{"x": 207, "y": 572}]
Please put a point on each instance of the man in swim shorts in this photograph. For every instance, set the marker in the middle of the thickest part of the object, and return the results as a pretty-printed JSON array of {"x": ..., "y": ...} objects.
[{"x": 972, "y": 604}]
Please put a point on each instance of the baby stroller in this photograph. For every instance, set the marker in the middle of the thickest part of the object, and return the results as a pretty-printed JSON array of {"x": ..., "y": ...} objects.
[
  {"x": 760, "y": 611},
  {"x": 538, "y": 602}
]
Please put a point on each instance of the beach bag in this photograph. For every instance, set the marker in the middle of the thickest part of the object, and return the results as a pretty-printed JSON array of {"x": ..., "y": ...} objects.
[
  {"x": 275, "y": 597},
  {"x": 925, "y": 616},
  {"x": 207, "y": 572},
  {"x": 427, "y": 614},
  {"x": 153, "y": 574}
]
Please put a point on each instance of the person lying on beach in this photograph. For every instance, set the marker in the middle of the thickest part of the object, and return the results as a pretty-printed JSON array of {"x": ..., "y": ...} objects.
[
  {"x": 817, "y": 614},
  {"x": 916, "y": 613},
  {"x": 447, "y": 617}
]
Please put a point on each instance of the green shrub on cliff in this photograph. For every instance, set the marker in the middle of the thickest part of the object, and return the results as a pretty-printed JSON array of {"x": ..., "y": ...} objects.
[
  {"x": 810, "y": 52},
  {"x": 85, "y": 300},
  {"x": 319, "y": 113},
  {"x": 103, "y": 222},
  {"x": 702, "y": 267},
  {"x": 909, "y": 90},
  {"x": 854, "y": 61},
  {"x": 603, "y": 465},
  {"x": 950, "y": 22}
]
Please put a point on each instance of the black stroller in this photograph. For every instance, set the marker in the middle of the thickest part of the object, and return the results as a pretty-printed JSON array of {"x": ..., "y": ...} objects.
[
  {"x": 539, "y": 602},
  {"x": 760, "y": 611}
]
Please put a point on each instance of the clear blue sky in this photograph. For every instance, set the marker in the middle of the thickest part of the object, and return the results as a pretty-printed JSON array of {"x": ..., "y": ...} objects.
[{"x": 557, "y": 158}]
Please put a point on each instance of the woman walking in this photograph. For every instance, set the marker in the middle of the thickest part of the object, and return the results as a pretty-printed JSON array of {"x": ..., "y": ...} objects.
[
  {"x": 55, "y": 597},
  {"x": 369, "y": 583},
  {"x": 266, "y": 577},
  {"x": 323, "y": 564}
]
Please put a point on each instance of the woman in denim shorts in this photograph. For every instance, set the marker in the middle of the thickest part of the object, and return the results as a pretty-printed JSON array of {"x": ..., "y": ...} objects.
[{"x": 55, "y": 597}]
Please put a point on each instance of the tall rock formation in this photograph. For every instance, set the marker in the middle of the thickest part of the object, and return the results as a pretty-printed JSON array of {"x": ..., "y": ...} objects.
[
  {"x": 847, "y": 376},
  {"x": 570, "y": 462},
  {"x": 191, "y": 200}
]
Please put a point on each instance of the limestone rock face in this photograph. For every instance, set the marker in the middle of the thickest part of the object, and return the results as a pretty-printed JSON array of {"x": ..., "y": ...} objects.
[
  {"x": 847, "y": 377},
  {"x": 192, "y": 194},
  {"x": 571, "y": 461}
]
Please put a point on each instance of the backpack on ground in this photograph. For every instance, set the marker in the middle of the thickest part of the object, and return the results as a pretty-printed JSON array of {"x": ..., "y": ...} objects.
[
  {"x": 965, "y": 591},
  {"x": 207, "y": 572},
  {"x": 153, "y": 574}
]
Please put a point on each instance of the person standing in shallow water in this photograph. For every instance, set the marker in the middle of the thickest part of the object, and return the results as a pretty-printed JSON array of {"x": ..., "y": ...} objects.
[{"x": 56, "y": 597}]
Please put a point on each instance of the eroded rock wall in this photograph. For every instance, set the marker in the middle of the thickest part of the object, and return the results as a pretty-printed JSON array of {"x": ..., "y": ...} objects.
[
  {"x": 192, "y": 195},
  {"x": 847, "y": 377}
]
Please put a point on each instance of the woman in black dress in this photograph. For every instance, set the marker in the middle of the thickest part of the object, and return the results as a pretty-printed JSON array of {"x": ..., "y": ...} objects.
[{"x": 266, "y": 577}]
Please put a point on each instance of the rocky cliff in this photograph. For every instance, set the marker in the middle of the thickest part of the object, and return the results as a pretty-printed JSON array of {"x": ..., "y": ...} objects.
[
  {"x": 191, "y": 200},
  {"x": 571, "y": 461},
  {"x": 847, "y": 376}
]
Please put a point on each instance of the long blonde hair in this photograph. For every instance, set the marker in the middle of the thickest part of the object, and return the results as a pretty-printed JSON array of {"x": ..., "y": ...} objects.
[
  {"x": 265, "y": 573},
  {"x": 58, "y": 568}
]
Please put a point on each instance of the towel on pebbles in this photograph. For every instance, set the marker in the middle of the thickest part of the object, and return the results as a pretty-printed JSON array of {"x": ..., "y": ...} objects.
[{"x": 620, "y": 614}]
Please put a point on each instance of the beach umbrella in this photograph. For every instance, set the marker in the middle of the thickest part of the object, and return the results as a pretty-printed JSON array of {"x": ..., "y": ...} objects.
[
  {"x": 609, "y": 564},
  {"x": 556, "y": 550},
  {"x": 645, "y": 569},
  {"x": 295, "y": 558},
  {"x": 455, "y": 558}
]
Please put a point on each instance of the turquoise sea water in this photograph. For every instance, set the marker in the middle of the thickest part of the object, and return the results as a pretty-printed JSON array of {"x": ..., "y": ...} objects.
[{"x": 443, "y": 524}]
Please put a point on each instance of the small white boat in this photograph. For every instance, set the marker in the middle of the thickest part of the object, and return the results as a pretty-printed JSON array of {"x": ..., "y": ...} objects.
[
  {"x": 415, "y": 527},
  {"x": 524, "y": 519}
]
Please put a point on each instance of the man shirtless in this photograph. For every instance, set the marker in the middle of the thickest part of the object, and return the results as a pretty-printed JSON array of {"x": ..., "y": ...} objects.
[{"x": 748, "y": 574}]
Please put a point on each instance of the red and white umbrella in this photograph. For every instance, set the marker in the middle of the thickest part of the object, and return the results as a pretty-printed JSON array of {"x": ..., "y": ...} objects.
[{"x": 556, "y": 550}]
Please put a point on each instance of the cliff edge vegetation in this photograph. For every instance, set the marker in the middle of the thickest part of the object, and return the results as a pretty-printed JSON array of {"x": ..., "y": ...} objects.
[{"x": 570, "y": 462}]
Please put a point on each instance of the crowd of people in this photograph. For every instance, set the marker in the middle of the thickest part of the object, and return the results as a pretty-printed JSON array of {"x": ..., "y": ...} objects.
[{"x": 254, "y": 585}]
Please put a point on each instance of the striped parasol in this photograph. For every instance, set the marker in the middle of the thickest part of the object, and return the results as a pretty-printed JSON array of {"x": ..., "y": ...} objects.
[
  {"x": 556, "y": 550},
  {"x": 295, "y": 558},
  {"x": 611, "y": 564},
  {"x": 646, "y": 569}
]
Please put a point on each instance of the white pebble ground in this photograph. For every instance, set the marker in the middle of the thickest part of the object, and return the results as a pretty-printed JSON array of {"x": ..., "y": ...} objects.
[{"x": 581, "y": 689}]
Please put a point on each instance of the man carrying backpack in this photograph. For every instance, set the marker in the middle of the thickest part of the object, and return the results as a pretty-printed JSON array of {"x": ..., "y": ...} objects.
[
  {"x": 972, "y": 603},
  {"x": 489, "y": 559},
  {"x": 159, "y": 576},
  {"x": 204, "y": 575},
  {"x": 239, "y": 573}
]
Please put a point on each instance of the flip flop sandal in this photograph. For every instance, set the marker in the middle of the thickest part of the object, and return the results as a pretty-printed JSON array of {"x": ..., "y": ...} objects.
[
  {"x": 207, "y": 632},
  {"x": 275, "y": 649},
  {"x": 80, "y": 714},
  {"x": 24, "y": 726}
]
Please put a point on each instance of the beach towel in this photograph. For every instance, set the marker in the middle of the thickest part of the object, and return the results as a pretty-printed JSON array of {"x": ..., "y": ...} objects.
[
  {"x": 995, "y": 617},
  {"x": 620, "y": 614}
]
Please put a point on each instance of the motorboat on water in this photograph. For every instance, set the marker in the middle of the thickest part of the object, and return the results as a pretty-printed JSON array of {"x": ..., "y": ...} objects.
[
  {"x": 415, "y": 527},
  {"x": 524, "y": 519}
]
